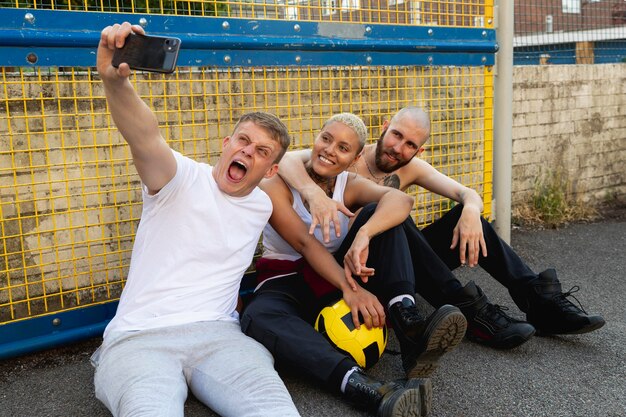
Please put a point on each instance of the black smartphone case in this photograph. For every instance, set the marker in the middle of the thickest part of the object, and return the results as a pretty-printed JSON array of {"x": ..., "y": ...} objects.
[{"x": 148, "y": 53}]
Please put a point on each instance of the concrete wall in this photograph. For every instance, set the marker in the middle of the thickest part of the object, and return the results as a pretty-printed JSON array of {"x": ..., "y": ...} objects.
[{"x": 570, "y": 120}]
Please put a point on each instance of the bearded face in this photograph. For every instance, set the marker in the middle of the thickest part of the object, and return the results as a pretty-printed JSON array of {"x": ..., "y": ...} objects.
[{"x": 387, "y": 159}]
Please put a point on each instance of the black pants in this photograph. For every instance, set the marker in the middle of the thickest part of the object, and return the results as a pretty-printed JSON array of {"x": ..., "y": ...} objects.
[
  {"x": 407, "y": 260},
  {"x": 433, "y": 260},
  {"x": 282, "y": 312}
]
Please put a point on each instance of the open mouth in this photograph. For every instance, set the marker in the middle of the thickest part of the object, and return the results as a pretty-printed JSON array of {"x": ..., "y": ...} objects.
[{"x": 236, "y": 171}]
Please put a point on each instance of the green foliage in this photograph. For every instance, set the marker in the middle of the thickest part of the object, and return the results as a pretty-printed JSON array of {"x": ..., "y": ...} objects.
[
  {"x": 551, "y": 204},
  {"x": 549, "y": 199}
]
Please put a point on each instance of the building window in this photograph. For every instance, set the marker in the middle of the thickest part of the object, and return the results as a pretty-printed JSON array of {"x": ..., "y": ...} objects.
[
  {"x": 329, "y": 7},
  {"x": 416, "y": 13},
  {"x": 291, "y": 13},
  {"x": 394, "y": 2},
  {"x": 350, "y": 4},
  {"x": 571, "y": 6}
]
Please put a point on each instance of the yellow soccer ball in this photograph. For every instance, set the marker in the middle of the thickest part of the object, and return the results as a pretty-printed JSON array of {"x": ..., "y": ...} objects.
[{"x": 364, "y": 345}]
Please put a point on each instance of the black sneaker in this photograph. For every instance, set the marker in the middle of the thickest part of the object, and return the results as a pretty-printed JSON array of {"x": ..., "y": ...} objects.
[
  {"x": 424, "y": 341},
  {"x": 391, "y": 399},
  {"x": 492, "y": 327},
  {"x": 487, "y": 323},
  {"x": 551, "y": 312}
]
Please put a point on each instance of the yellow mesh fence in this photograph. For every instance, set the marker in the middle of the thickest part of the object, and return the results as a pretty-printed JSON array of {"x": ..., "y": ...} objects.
[
  {"x": 70, "y": 197},
  {"x": 459, "y": 13}
]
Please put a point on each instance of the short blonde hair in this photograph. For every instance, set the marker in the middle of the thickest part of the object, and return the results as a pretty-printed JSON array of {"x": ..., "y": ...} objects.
[{"x": 354, "y": 122}]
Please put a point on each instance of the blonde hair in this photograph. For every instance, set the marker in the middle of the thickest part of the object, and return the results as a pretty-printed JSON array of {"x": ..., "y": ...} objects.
[
  {"x": 354, "y": 122},
  {"x": 273, "y": 125}
]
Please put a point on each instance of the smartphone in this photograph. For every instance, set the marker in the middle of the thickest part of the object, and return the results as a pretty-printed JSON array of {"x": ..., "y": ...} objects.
[{"x": 148, "y": 53}]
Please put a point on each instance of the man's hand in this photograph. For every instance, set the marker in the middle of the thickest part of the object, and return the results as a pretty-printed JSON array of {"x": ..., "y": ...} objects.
[
  {"x": 468, "y": 234},
  {"x": 324, "y": 210},
  {"x": 355, "y": 258},
  {"x": 365, "y": 303},
  {"x": 111, "y": 38}
]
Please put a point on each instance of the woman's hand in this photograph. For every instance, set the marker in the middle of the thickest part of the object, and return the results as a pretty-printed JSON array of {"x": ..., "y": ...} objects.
[
  {"x": 364, "y": 303},
  {"x": 324, "y": 211},
  {"x": 355, "y": 258}
]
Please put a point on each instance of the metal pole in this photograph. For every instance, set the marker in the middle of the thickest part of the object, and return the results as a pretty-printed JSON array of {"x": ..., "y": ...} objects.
[{"x": 503, "y": 119}]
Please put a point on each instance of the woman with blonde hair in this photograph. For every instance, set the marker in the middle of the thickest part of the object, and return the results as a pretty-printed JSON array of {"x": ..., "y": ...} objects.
[{"x": 299, "y": 273}]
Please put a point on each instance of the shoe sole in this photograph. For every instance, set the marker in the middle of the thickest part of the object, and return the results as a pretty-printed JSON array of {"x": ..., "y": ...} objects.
[
  {"x": 445, "y": 332},
  {"x": 401, "y": 403},
  {"x": 425, "y": 387}
]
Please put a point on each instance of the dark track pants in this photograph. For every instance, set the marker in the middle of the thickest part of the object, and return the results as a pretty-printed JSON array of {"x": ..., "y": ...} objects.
[
  {"x": 433, "y": 260},
  {"x": 282, "y": 312},
  {"x": 407, "y": 260}
]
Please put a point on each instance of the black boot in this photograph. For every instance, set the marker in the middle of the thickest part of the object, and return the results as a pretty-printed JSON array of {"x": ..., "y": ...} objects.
[
  {"x": 425, "y": 387},
  {"x": 487, "y": 323},
  {"x": 548, "y": 309},
  {"x": 424, "y": 341},
  {"x": 391, "y": 399}
]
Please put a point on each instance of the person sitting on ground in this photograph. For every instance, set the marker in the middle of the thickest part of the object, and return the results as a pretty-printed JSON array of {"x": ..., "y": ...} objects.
[
  {"x": 176, "y": 327},
  {"x": 298, "y": 276},
  {"x": 459, "y": 237}
]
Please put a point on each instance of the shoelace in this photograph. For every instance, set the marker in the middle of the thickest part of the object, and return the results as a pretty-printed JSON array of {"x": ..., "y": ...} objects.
[
  {"x": 366, "y": 389},
  {"x": 562, "y": 301},
  {"x": 407, "y": 314},
  {"x": 410, "y": 314},
  {"x": 371, "y": 395},
  {"x": 497, "y": 312}
]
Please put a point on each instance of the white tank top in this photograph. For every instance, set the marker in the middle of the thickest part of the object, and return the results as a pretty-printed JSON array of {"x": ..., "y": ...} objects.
[{"x": 275, "y": 247}]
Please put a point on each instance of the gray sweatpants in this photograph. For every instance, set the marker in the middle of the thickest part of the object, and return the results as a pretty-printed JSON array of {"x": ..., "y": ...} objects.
[{"x": 146, "y": 373}]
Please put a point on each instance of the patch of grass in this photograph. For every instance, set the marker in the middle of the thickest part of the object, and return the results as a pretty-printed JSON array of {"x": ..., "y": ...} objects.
[{"x": 551, "y": 205}]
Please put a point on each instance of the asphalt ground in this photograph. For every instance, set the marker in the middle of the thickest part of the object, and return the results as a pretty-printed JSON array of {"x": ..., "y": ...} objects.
[{"x": 579, "y": 375}]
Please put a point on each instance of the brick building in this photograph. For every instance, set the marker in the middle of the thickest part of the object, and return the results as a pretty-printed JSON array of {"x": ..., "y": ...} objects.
[{"x": 550, "y": 16}]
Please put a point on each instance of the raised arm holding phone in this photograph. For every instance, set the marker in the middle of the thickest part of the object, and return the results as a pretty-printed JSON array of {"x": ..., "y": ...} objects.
[{"x": 176, "y": 327}]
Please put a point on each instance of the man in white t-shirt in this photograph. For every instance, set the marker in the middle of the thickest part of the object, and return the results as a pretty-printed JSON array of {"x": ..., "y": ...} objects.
[{"x": 176, "y": 326}]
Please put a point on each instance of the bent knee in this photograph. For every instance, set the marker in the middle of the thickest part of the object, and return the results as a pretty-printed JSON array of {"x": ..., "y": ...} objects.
[
  {"x": 260, "y": 331},
  {"x": 261, "y": 317}
]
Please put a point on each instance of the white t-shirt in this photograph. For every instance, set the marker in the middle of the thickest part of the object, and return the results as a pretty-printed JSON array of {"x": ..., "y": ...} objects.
[
  {"x": 192, "y": 247},
  {"x": 275, "y": 247}
]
